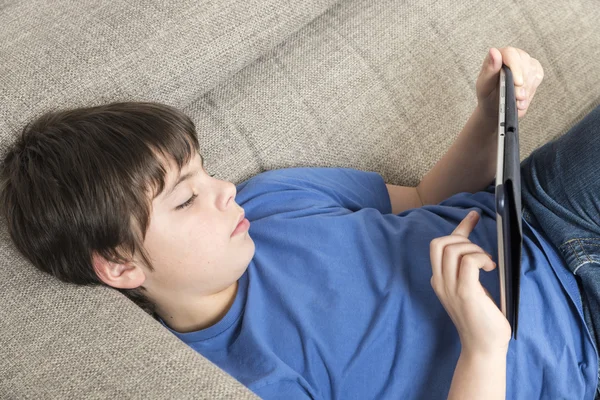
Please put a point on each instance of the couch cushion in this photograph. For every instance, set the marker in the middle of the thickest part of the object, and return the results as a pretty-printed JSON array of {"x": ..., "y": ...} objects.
[
  {"x": 383, "y": 86},
  {"x": 79, "y": 53},
  {"x": 60, "y": 340},
  {"x": 388, "y": 85}
]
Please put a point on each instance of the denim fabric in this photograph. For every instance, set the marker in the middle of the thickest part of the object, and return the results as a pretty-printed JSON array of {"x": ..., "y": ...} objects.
[{"x": 560, "y": 192}]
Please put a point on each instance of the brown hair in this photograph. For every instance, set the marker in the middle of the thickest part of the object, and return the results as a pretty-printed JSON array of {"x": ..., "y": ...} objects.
[{"x": 82, "y": 180}]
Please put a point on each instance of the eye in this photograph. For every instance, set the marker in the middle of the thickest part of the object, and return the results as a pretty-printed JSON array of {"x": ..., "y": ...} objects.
[{"x": 187, "y": 203}]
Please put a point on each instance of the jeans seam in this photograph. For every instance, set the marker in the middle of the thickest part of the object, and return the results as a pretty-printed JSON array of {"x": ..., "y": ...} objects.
[
  {"x": 591, "y": 239},
  {"x": 576, "y": 246},
  {"x": 583, "y": 250},
  {"x": 570, "y": 243}
]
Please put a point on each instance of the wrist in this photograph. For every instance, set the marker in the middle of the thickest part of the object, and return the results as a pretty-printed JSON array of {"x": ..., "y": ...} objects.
[
  {"x": 476, "y": 355},
  {"x": 479, "y": 375}
]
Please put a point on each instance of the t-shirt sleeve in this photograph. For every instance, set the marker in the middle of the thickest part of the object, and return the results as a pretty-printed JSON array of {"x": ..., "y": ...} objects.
[
  {"x": 285, "y": 389},
  {"x": 349, "y": 188}
]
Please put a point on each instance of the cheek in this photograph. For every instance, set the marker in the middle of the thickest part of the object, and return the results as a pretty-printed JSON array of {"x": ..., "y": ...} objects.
[
  {"x": 188, "y": 239},
  {"x": 167, "y": 242}
]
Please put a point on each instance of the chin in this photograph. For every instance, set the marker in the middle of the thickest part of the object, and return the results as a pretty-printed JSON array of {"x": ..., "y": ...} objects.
[{"x": 249, "y": 257}]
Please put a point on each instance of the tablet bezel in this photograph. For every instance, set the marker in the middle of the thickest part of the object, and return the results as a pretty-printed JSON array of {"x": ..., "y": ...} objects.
[
  {"x": 508, "y": 200},
  {"x": 500, "y": 194}
]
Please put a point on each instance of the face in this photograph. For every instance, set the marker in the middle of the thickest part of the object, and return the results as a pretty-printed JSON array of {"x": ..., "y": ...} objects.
[{"x": 189, "y": 237}]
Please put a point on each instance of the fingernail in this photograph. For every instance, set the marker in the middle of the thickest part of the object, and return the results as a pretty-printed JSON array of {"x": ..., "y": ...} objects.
[{"x": 522, "y": 92}]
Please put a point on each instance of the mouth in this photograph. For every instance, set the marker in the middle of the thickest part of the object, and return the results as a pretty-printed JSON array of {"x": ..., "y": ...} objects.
[{"x": 239, "y": 221}]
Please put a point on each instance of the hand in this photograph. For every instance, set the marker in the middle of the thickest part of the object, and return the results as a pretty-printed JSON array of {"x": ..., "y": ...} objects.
[
  {"x": 455, "y": 262},
  {"x": 527, "y": 73}
]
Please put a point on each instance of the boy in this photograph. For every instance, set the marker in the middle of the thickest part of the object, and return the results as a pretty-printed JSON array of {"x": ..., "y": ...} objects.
[{"x": 329, "y": 292}]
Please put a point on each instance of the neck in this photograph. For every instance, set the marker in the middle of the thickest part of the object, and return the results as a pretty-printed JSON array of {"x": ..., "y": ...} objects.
[{"x": 196, "y": 315}]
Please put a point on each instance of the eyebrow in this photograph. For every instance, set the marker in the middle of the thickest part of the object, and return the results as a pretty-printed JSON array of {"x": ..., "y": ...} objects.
[{"x": 183, "y": 177}]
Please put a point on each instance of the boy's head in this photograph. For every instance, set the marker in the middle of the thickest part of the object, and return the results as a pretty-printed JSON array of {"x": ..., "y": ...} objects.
[{"x": 87, "y": 195}]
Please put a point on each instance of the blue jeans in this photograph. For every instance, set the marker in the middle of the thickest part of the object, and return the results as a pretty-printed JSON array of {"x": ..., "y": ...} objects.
[{"x": 560, "y": 193}]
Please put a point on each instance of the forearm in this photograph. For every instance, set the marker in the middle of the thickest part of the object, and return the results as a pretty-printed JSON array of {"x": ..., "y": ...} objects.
[
  {"x": 479, "y": 377},
  {"x": 468, "y": 166}
]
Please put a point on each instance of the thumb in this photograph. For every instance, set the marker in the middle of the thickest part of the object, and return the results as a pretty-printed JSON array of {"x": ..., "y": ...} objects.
[{"x": 488, "y": 77}]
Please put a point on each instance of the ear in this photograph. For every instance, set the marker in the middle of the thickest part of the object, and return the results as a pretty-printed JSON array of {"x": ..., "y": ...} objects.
[{"x": 121, "y": 276}]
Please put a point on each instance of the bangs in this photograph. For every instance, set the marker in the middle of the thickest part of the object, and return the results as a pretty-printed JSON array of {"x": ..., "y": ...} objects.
[
  {"x": 142, "y": 138},
  {"x": 180, "y": 152}
]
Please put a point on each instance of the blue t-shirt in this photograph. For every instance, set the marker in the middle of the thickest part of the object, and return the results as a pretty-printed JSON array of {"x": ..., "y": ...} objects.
[{"x": 337, "y": 300}]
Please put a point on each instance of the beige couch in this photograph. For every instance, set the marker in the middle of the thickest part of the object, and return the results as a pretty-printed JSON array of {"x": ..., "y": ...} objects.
[{"x": 376, "y": 85}]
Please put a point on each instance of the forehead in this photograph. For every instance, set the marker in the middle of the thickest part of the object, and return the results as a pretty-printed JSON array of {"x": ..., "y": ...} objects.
[
  {"x": 173, "y": 174},
  {"x": 172, "y": 170}
]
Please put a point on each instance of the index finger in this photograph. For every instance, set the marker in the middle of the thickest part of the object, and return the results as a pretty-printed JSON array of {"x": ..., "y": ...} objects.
[{"x": 467, "y": 224}]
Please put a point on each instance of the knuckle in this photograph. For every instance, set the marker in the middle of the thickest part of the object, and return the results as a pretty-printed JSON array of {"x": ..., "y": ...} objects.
[
  {"x": 523, "y": 54},
  {"x": 470, "y": 259},
  {"x": 438, "y": 287},
  {"x": 434, "y": 243},
  {"x": 455, "y": 251},
  {"x": 540, "y": 71},
  {"x": 450, "y": 251}
]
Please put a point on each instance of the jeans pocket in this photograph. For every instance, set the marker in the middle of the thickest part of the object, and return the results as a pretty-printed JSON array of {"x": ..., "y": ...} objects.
[{"x": 581, "y": 251}]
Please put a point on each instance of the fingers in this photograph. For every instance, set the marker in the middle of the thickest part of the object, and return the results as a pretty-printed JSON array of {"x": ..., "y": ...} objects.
[
  {"x": 468, "y": 283},
  {"x": 491, "y": 63},
  {"x": 512, "y": 57},
  {"x": 486, "y": 81},
  {"x": 467, "y": 224},
  {"x": 527, "y": 74},
  {"x": 460, "y": 270},
  {"x": 458, "y": 236},
  {"x": 436, "y": 251},
  {"x": 452, "y": 257},
  {"x": 538, "y": 76},
  {"x": 525, "y": 94},
  {"x": 447, "y": 250}
]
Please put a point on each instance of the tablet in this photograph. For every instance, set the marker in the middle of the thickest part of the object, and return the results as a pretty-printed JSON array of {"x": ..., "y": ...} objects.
[{"x": 508, "y": 200}]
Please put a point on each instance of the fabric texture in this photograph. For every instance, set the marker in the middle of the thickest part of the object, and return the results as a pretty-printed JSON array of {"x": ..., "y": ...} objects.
[
  {"x": 560, "y": 184},
  {"x": 381, "y": 86},
  {"x": 337, "y": 302}
]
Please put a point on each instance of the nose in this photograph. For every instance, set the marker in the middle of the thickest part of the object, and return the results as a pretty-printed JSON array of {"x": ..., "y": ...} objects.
[{"x": 230, "y": 193}]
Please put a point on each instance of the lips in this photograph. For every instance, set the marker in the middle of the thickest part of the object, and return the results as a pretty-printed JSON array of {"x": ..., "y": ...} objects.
[{"x": 240, "y": 219}]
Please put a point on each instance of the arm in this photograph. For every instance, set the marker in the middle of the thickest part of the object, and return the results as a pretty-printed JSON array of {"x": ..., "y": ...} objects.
[
  {"x": 456, "y": 262},
  {"x": 484, "y": 332},
  {"x": 454, "y": 173},
  {"x": 403, "y": 198},
  {"x": 470, "y": 163},
  {"x": 468, "y": 166},
  {"x": 479, "y": 376}
]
